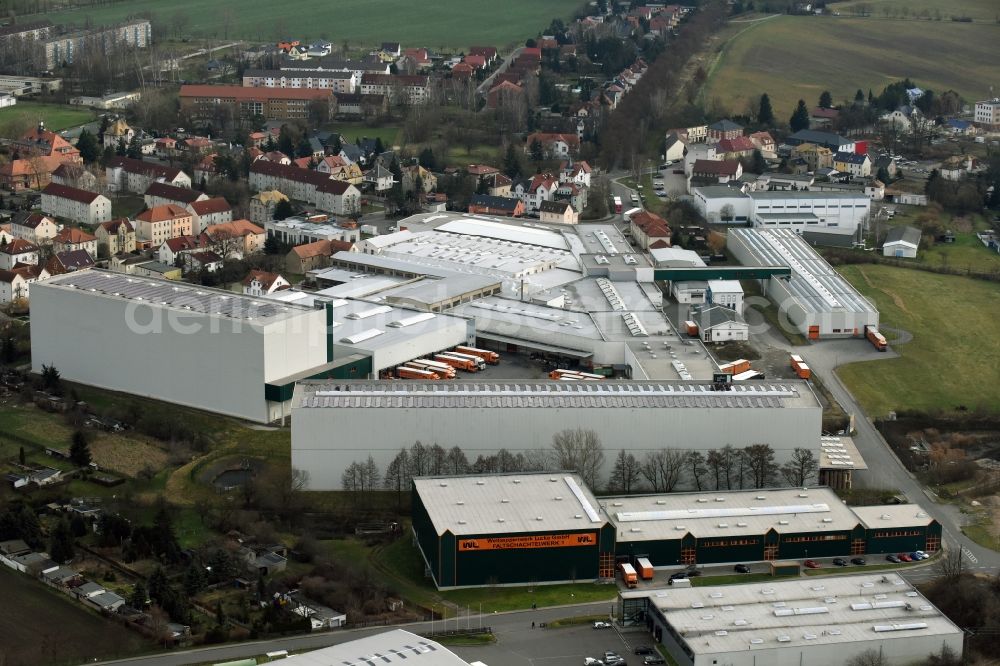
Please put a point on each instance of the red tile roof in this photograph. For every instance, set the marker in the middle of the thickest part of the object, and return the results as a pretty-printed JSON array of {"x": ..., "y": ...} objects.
[
  {"x": 162, "y": 213},
  {"x": 173, "y": 192},
  {"x": 209, "y": 206},
  {"x": 131, "y": 165},
  {"x": 289, "y": 172},
  {"x": 73, "y": 236},
  {"x": 19, "y": 246},
  {"x": 71, "y": 193},
  {"x": 321, "y": 248},
  {"x": 241, "y": 93},
  {"x": 716, "y": 167}
]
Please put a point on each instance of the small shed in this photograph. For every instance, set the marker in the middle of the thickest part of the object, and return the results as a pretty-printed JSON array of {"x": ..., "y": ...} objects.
[{"x": 902, "y": 242}]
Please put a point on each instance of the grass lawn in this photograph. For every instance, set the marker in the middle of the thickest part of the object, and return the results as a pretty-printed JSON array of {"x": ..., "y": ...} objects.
[
  {"x": 966, "y": 253},
  {"x": 127, "y": 205},
  {"x": 56, "y": 116},
  {"x": 798, "y": 57},
  {"x": 390, "y": 134},
  {"x": 934, "y": 369},
  {"x": 575, "y": 621},
  {"x": 42, "y": 626},
  {"x": 731, "y": 579},
  {"x": 857, "y": 570},
  {"x": 434, "y": 24},
  {"x": 472, "y": 640},
  {"x": 981, "y": 534}
]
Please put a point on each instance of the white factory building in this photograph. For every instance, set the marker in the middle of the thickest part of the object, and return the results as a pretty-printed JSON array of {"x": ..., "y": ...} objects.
[
  {"x": 204, "y": 348},
  {"x": 818, "y": 621},
  {"x": 816, "y": 299},
  {"x": 522, "y": 417},
  {"x": 830, "y": 214},
  {"x": 389, "y": 648}
]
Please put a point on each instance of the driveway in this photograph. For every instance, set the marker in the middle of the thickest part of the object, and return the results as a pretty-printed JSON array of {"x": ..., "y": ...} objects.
[{"x": 884, "y": 468}]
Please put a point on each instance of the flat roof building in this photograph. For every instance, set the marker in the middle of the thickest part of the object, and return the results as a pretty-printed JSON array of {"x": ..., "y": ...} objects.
[
  {"x": 388, "y": 648},
  {"x": 817, "y": 300},
  {"x": 522, "y": 417},
  {"x": 820, "y": 622}
]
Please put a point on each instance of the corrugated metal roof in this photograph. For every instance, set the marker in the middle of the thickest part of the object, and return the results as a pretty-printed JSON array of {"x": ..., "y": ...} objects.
[{"x": 383, "y": 649}]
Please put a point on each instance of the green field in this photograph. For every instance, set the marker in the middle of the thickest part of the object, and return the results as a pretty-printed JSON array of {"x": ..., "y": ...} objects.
[
  {"x": 453, "y": 23},
  {"x": 42, "y": 626},
  {"x": 798, "y": 57},
  {"x": 56, "y": 116},
  {"x": 954, "y": 357},
  {"x": 979, "y": 10}
]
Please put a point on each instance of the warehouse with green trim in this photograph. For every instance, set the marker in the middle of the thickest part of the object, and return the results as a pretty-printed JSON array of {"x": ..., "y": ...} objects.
[{"x": 526, "y": 528}]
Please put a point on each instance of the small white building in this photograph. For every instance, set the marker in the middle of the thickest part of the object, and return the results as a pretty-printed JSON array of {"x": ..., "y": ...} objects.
[
  {"x": 902, "y": 242},
  {"x": 80, "y": 206},
  {"x": 717, "y": 323},
  {"x": 34, "y": 228},
  {"x": 726, "y": 293},
  {"x": 18, "y": 251},
  {"x": 557, "y": 212},
  {"x": 262, "y": 283}
]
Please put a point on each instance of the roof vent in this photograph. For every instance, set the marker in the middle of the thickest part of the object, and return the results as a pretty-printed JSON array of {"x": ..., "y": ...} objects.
[
  {"x": 679, "y": 527},
  {"x": 828, "y": 520},
  {"x": 661, "y": 502},
  {"x": 517, "y": 480},
  {"x": 444, "y": 484},
  {"x": 559, "y": 498},
  {"x": 830, "y": 600},
  {"x": 760, "y": 497},
  {"x": 480, "y": 483},
  {"x": 460, "y": 503},
  {"x": 818, "y": 588},
  {"x": 783, "y": 639},
  {"x": 834, "y": 632},
  {"x": 707, "y": 617},
  {"x": 697, "y": 604},
  {"x": 702, "y": 500},
  {"x": 803, "y": 494},
  {"x": 722, "y": 633},
  {"x": 720, "y": 499},
  {"x": 616, "y": 504},
  {"x": 740, "y": 623},
  {"x": 809, "y": 637},
  {"x": 756, "y": 641},
  {"x": 578, "y": 516},
  {"x": 885, "y": 516},
  {"x": 716, "y": 595},
  {"x": 500, "y": 520},
  {"x": 741, "y": 524},
  {"x": 635, "y": 529},
  {"x": 538, "y": 518},
  {"x": 723, "y": 524},
  {"x": 552, "y": 479},
  {"x": 505, "y": 501},
  {"x": 461, "y": 522},
  {"x": 782, "y": 522}
]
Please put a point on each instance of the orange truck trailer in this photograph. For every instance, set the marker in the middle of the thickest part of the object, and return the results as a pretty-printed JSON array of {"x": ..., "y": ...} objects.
[
  {"x": 736, "y": 367},
  {"x": 629, "y": 576},
  {"x": 875, "y": 338},
  {"x": 404, "y": 372},
  {"x": 456, "y": 362},
  {"x": 691, "y": 328},
  {"x": 443, "y": 369},
  {"x": 645, "y": 568},
  {"x": 480, "y": 363},
  {"x": 490, "y": 357},
  {"x": 574, "y": 374},
  {"x": 801, "y": 369}
]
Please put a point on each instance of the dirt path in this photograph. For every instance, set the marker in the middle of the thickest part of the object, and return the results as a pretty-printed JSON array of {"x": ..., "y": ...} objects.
[{"x": 896, "y": 299}]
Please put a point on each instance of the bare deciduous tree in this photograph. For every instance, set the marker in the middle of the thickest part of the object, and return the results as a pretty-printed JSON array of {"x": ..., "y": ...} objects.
[
  {"x": 696, "y": 469},
  {"x": 579, "y": 450},
  {"x": 951, "y": 564},
  {"x": 663, "y": 468},
  {"x": 625, "y": 475},
  {"x": 760, "y": 461},
  {"x": 801, "y": 468},
  {"x": 870, "y": 657}
]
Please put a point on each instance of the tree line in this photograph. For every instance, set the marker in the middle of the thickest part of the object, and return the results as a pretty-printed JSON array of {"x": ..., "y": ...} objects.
[{"x": 580, "y": 450}]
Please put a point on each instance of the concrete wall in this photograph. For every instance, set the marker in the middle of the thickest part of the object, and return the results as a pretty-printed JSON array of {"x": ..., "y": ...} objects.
[
  {"x": 326, "y": 441},
  {"x": 215, "y": 367}
]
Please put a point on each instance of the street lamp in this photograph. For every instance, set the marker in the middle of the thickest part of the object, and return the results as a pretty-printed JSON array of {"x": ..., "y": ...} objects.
[{"x": 433, "y": 606}]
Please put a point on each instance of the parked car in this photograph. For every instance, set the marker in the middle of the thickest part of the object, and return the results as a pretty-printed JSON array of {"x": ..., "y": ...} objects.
[
  {"x": 613, "y": 659},
  {"x": 602, "y": 625},
  {"x": 653, "y": 659},
  {"x": 591, "y": 661},
  {"x": 644, "y": 649},
  {"x": 839, "y": 562},
  {"x": 922, "y": 555},
  {"x": 812, "y": 564},
  {"x": 678, "y": 575},
  {"x": 903, "y": 557},
  {"x": 741, "y": 568},
  {"x": 860, "y": 561},
  {"x": 892, "y": 558}
]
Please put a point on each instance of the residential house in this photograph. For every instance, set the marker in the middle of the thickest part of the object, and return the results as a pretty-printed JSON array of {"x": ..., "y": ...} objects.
[
  {"x": 18, "y": 251},
  {"x": 835, "y": 142},
  {"x": 108, "y": 602},
  {"x": 5, "y": 235},
  {"x": 34, "y": 228},
  {"x": 485, "y": 204},
  {"x": 73, "y": 238},
  {"x": 75, "y": 175},
  {"x": 488, "y": 52},
  {"x": 68, "y": 261},
  {"x": 277, "y": 157},
  {"x": 351, "y": 153},
  {"x": 960, "y": 127},
  {"x": 902, "y": 242},
  {"x": 125, "y": 174},
  {"x": 80, "y": 206},
  {"x": 901, "y": 119},
  {"x": 293, "y": 182},
  {"x": 115, "y": 237},
  {"x": 203, "y": 102},
  {"x": 575, "y": 172},
  {"x": 813, "y": 155},
  {"x": 262, "y": 283},
  {"x": 118, "y": 133},
  {"x": 171, "y": 249},
  {"x": 715, "y": 171},
  {"x": 208, "y": 212},
  {"x": 412, "y": 89},
  {"x": 957, "y": 167},
  {"x": 87, "y": 590},
  {"x": 885, "y": 162},
  {"x": 339, "y": 197},
  {"x": 734, "y": 149},
  {"x": 413, "y": 173},
  {"x": 379, "y": 178},
  {"x": 504, "y": 94},
  {"x": 987, "y": 114},
  {"x": 320, "y": 617},
  {"x": 558, "y": 212},
  {"x": 60, "y": 576},
  {"x": 203, "y": 261},
  {"x": 304, "y": 258},
  {"x": 554, "y": 146},
  {"x": 764, "y": 142},
  {"x": 197, "y": 145},
  {"x": 15, "y": 282},
  {"x": 238, "y": 238},
  {"x": 673, "y": 148},
  {"x": 349, "y": 172},
  {"x": 648, "y": 228},
  {"x": 262, "y": 206},
  {"x": 159, "y": 193},
  {"x": 38, "y": 153},
  {"x": 576, "y": 195},
  {"x": 541, "y": 187},
  {"x": 821, "y": 117},
  {"x": 723, "y": 129},
  {"x": 463, "y": 71},
  {"x": 859, "y": 166},
  {"x": 497, "y": 184},
  {"x": 160, "y": 223},
  {"x": 165, "y": 147}
]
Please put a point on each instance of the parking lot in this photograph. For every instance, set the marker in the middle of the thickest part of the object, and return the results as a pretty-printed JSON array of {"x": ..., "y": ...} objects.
[{"x": 556, "y": 647}]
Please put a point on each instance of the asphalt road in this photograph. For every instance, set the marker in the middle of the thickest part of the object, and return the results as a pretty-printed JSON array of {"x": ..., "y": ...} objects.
[{"x": 513, "y": 630}]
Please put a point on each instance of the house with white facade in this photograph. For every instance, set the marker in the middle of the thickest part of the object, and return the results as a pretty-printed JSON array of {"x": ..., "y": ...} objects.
[
  {"x": 262, "y": 283},
  {"x": 34, "y": 228},
  {"x": 125, "y": 174},
  {"x": 209, "y": 212},
  {"x": 79, "y": 206},
  {"x": 70, "y": 239},
  {"x": 18, "y": 251}
]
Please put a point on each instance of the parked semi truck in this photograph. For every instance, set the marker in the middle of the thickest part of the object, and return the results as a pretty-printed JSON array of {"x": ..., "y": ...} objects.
[
  {"x": 490, "y": 357},
  {"x": 461, "y": 363},
  {"x": 691, "y": 328},
  {"x": 480, "y": 363},
  {"x": 645, "y": 568},
  {"x": 630, "y": 578},
  {"x": 443, "y": 369},
  {"x": 574, "y": 375},
  {"x": 404, "y": 372},
  {"x": 749, "y": 374},
  {"x": 876, "y": 338},
  {"x": 736, "y": 367}
]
